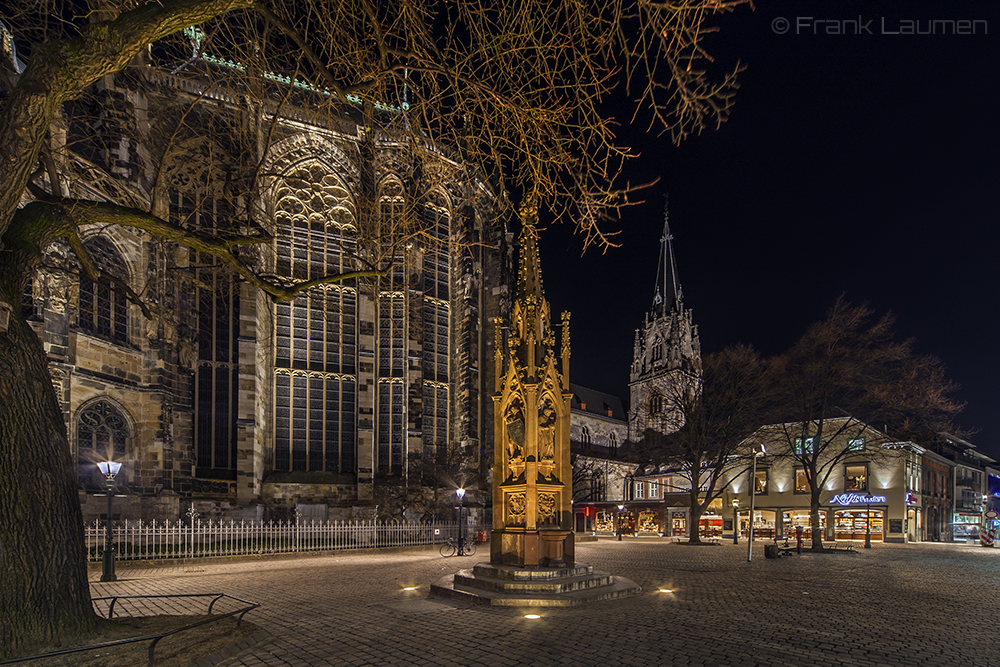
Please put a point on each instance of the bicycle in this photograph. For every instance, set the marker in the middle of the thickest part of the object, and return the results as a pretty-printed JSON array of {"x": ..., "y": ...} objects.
[{"x": 459, "y": 547}]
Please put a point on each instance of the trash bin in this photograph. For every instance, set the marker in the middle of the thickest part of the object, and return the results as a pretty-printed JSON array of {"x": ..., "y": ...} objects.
[
  {"x": 481, "y": 536},
  {"x": 770, "y": 551}
]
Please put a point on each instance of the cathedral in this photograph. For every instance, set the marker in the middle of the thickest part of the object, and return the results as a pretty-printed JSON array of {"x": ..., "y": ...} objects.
[{"x": 363, "y": 397}]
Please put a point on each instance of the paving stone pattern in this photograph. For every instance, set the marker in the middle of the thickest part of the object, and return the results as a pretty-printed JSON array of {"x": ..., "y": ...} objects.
[{"x": 921, "y": 605}]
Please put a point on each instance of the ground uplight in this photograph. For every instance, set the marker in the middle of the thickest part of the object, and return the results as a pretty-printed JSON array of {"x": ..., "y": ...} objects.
[{"x": 532, "y": 616}]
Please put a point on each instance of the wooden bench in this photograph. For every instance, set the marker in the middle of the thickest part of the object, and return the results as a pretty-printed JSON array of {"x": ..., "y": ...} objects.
[{"x": 840, "y": 546}]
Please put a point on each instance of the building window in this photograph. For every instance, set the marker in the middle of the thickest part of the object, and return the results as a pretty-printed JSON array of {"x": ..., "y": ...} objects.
[
  {"x": 654, "y": 490},
  {"x": 315, "y": 341},
  {"x": 101, "y": 435},
  {"x": 103, "y": 307},
  {"x": 613, "y": 442},
  {"x": 655, "y": 404},
  {"x": 585, "y": 435},
  {"x": 856, "y": 477},
  {"x": 640, "y": 488},
  {"x": 804, "y": 447},
  {"x": 391, "y": 426},
  {"x": 215, "y": 326},
  {"x": 801, "y": 481},
  {"x": 856, "y": 445},
  {"x": 760, "y": 482}
]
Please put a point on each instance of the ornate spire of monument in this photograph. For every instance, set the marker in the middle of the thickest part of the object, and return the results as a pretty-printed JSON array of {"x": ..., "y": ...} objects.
[{"x": 529, "y": 275}]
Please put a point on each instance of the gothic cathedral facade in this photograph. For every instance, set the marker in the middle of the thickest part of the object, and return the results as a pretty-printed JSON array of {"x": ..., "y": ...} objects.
[{"x": 221, "y": 401}]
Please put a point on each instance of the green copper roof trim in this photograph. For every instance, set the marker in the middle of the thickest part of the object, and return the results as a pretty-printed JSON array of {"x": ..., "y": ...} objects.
[{"x": 196, "y": 35}]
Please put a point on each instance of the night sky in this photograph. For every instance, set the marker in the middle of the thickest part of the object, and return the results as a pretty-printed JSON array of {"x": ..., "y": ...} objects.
[{"x": 858, "y": 164}]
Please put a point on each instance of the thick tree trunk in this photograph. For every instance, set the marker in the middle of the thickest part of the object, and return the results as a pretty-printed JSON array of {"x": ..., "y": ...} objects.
[
  {"x": 817, "y": 533},
  {"x": 44, "y": 594},
  {"x": 697, "y": 510}
]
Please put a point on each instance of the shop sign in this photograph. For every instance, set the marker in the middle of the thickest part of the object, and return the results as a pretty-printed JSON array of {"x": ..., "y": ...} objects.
[
  {"x": 855, "y": 499},
  {"x": 911, "y": 499}
]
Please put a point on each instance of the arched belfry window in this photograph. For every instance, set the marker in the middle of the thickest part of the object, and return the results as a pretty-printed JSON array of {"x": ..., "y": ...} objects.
[
  {"x": 315, "y": 339},
  {"x": 655, "y": 404},
  {"x": 103, "y": 308},
  {"x": 102, "y": 434}
]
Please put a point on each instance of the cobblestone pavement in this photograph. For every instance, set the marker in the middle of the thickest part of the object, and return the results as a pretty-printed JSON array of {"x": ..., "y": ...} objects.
[{"x": 918, "y": 604}]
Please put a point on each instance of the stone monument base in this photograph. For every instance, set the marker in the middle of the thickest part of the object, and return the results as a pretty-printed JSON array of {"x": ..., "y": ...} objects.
[{"x": 510, "y": 586}]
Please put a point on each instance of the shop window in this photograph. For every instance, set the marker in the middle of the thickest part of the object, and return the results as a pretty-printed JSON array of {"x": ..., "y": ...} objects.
[
  {"x": 804, "y": 446},
  {"x": 856, "y": 477},
  {"x": 760, "y": 483},
  {"x": 801, "y": 481},
  {"x": 856, "y": 445}
]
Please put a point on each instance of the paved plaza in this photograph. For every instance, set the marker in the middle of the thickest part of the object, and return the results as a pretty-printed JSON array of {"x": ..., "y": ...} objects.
[{"x": 915, "y": 605}]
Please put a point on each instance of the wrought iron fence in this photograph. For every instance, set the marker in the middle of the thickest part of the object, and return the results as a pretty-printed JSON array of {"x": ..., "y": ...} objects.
[{"x": 139, "y": 540}]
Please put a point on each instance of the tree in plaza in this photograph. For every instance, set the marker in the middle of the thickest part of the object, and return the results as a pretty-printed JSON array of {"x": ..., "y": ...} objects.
[
  {"x": 850, "y": 364},
  {"x": 719, "y": 411},
  {"x": 517, "y": 92}
]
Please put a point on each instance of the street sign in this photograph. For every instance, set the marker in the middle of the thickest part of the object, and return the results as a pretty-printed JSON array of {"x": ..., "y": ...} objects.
[{"x": 992, "y": 514}]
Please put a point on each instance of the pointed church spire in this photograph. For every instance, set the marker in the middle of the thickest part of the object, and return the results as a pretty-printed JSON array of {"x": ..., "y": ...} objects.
[
  {"x": 529, "y": 276},
  {"x": 668, "y": 294}
]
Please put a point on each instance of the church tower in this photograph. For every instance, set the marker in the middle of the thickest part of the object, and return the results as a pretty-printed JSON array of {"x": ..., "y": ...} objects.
[{"x": 667, "y": 354}]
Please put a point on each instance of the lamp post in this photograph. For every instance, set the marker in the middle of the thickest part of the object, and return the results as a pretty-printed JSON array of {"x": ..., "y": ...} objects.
[
  {"x": 753, "y": 494},
  {"x": 621, "y": 508},
  {"x": 736, "y": 520},
  {"x": 110, "y": 470},
  {"x": 868, "y": 520},
  {"x": 461, "y": 527}
]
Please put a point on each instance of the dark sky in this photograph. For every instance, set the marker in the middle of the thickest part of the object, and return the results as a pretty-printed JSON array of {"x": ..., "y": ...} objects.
[{"x": 862, "y": 164}]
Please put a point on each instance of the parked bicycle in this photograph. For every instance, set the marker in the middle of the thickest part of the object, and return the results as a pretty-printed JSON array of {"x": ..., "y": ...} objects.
[{"x": 458, "y": 547}]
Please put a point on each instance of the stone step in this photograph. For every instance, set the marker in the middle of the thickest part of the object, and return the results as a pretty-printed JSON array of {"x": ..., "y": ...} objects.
[
  {"x": 515, "y": 573},
  {"x": 552, "y": 585},
  {"x": 468, "y": 588}
]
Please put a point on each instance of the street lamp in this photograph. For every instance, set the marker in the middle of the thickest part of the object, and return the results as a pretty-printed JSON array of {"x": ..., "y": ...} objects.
[
  {"x": 868, "y": 520},
  {"x": 621, "y": 508},
  {"x": 461, "y": 527},
  {"x": 736, "y": 520},
  {"x": 753, "y": 494},
  {"x": 110, "y": 470}
]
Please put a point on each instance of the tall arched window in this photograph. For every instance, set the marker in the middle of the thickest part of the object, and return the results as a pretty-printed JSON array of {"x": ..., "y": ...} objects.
[
  {"x": 102, "y": 433},
  {"x": 103, "y": 308},
  {"x": 613, "y": 442},
  {"x": 585, "y": 435},
  {"x": 315, "y": 353},
  {"x": 655, "y": 404},
  {"x": 392, "y": 340},
  {"x": 198, "y": 200},
  {"x": 436, "y": 320}
]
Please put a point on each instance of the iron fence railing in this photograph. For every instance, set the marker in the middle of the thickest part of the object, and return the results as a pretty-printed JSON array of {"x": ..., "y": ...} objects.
[{"x": 146, "y": 540}]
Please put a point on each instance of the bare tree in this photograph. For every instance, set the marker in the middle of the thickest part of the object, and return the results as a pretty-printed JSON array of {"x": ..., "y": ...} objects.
[
  {"x": 719, "y": 410},
  {"x": 517, "y": 91},
  {"x": 850, "y": 364}
]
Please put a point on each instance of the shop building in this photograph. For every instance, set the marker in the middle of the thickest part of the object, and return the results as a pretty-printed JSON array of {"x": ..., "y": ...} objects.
[
  {"x": 874, "y": 485},
  {"x": 969, "y": 485}
]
